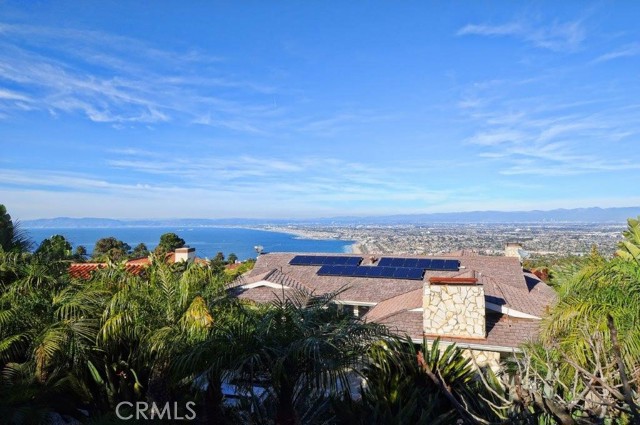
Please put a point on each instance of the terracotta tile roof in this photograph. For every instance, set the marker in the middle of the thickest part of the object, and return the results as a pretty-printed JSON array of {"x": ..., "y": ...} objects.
[
  {"x": 139, "y": 261},
  {"x": 84, "y": 270},
  {"x": 134, "y": 266}
]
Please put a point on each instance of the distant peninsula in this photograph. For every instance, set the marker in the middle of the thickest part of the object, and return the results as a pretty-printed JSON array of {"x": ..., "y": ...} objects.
[{"x": 574, "y": 215}]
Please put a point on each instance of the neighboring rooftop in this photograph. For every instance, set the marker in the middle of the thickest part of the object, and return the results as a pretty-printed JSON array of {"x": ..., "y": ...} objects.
[{"x": 136, "y": 265}]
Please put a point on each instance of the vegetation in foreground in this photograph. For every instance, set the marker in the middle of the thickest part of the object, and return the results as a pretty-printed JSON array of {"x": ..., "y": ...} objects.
[{"x": 73, "y": 350}]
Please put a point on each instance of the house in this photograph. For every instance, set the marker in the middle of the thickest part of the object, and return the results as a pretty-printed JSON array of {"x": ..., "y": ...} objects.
[
  {"x": 488, "y": 305},
  {"x": 135, "y": 266}
]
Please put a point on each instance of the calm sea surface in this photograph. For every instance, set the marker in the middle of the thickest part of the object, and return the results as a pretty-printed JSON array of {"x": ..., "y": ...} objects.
[{"x": 206, "y": 240}]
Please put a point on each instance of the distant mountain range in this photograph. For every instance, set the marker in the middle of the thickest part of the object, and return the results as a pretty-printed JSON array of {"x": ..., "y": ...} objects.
[{"x": 575, "y": 215}]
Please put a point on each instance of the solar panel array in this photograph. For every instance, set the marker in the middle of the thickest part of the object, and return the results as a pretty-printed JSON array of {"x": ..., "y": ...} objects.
[
  {"x": 421, "y": 263},
  {"x": 372, "y": 271},
  {"x": 387, "y": 267},
  {"x": 321, "y": 260}
]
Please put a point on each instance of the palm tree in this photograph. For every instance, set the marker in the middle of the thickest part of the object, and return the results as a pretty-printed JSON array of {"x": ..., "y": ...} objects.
[
  {"x": 301, "y": 348},
  {"x": 585, "y": 301},
  {"x": 48, "y": 328},
  {"x": 629, "y": 247},
  {"x": 12, "y": 238},
  {"x": 152, "y": 318},
  {"x": 593, "y": 330}
]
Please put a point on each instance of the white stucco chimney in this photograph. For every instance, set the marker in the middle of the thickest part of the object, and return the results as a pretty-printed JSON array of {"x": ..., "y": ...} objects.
[{"x": 185, "y": 254}]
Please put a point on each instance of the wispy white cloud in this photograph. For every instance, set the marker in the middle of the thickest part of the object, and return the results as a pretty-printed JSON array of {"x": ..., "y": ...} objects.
[
  {"x": 12, "y": 95},
  {"x": 322, "y": 183},
  {"x": 567, "y": 36},
  {"x": 628, "y": 50},
  {"x": 114, "y": 79},
  {"x": 119, "y": 80},
  {"x": 525, "y": 135}
]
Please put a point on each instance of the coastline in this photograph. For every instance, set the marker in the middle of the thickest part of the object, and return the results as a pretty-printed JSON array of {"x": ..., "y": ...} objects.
[{"x": 356, "y": 247}]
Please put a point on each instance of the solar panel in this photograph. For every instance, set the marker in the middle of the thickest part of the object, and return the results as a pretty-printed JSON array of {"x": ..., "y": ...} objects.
[
  {"x": 397, "y": 262},
  {"x": 349, "y": 261},
  {"x": 411, "y": 262},
  {"x": 388, "y": 272},
  {"x": 415, "y": 274},
  {"x": 348, "y": 270},
  {"x": 451, "y": 265},
  {"x": 324, "y": 271},
  {"x": 423, "y": 263},
  {"x": 374, "y": 272},
  {"x": 401, "y": 273},
  {"x": 298, "y": 260},
  {"x": 371, "y": 272},
  {"x": 437, "y": 265},
  {"x": 321, "y": 260},
  {"x": 361, "y": 272}
]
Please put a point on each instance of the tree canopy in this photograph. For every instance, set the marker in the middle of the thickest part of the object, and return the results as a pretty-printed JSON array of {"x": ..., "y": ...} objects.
[
  {"x": 169, "y": 242},
  {"x": 140, "y": 251},
  {"x": 11, "y": 236},
  {"x": 55, "y": 248},
  {"x": 110, "y": 249}
]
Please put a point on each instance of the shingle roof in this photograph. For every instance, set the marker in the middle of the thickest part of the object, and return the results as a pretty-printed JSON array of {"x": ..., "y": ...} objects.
[
  {"x": 395, "y": 305},
  {"x": 502, "y": 330},
  {"x": 504, "y": 282}
]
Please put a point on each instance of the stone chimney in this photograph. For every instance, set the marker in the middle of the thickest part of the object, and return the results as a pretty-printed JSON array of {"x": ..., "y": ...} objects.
[
  {"x": 454, "y": 307},
  {"x": 513, "y": 249},
  {"x": 184, "y": 254}
]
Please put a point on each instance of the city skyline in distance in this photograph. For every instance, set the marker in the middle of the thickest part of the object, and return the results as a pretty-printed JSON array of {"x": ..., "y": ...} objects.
[{"x": 307, "y": 111}]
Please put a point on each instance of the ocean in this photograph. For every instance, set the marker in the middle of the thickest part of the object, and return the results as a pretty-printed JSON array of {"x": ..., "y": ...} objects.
[{"x": 206, "y": 240}]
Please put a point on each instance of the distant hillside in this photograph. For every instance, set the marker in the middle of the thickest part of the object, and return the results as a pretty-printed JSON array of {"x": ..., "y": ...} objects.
[{"x": 576, "y": 215}]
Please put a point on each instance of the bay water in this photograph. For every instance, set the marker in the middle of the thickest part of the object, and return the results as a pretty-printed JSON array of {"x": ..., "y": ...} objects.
[{"x": 206, "y": 240}]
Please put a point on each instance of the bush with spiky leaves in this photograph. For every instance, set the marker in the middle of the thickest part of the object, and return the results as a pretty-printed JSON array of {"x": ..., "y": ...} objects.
[{"x": 427, "y": 384}]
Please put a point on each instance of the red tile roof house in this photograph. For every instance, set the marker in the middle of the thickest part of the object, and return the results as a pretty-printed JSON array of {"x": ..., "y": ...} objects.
[
  {"x": 136, "y": 266},
  {"x": 489, "y": 305}
]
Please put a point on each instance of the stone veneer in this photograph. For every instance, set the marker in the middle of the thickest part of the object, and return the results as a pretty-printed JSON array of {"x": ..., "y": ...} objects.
[
  {"x": 483, "y": 359},
  {"x": 454, "y": 309}
]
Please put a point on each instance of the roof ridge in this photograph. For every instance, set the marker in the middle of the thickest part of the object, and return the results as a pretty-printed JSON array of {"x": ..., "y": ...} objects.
[{"x": 290, "y": 281}]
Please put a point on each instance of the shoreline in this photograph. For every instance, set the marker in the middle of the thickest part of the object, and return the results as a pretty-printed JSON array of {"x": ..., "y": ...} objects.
[{"x": 355, "y": 247}]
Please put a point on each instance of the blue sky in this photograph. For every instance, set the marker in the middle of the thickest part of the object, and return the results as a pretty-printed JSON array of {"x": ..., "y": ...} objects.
[{"x": 315, "y": 109}]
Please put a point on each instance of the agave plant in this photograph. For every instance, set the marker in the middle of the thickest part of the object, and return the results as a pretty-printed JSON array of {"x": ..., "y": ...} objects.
[{"x": 427, "y": 384}]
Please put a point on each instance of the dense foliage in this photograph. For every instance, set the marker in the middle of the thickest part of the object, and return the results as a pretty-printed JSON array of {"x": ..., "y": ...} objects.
[{"x": 76, "y": 348}]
